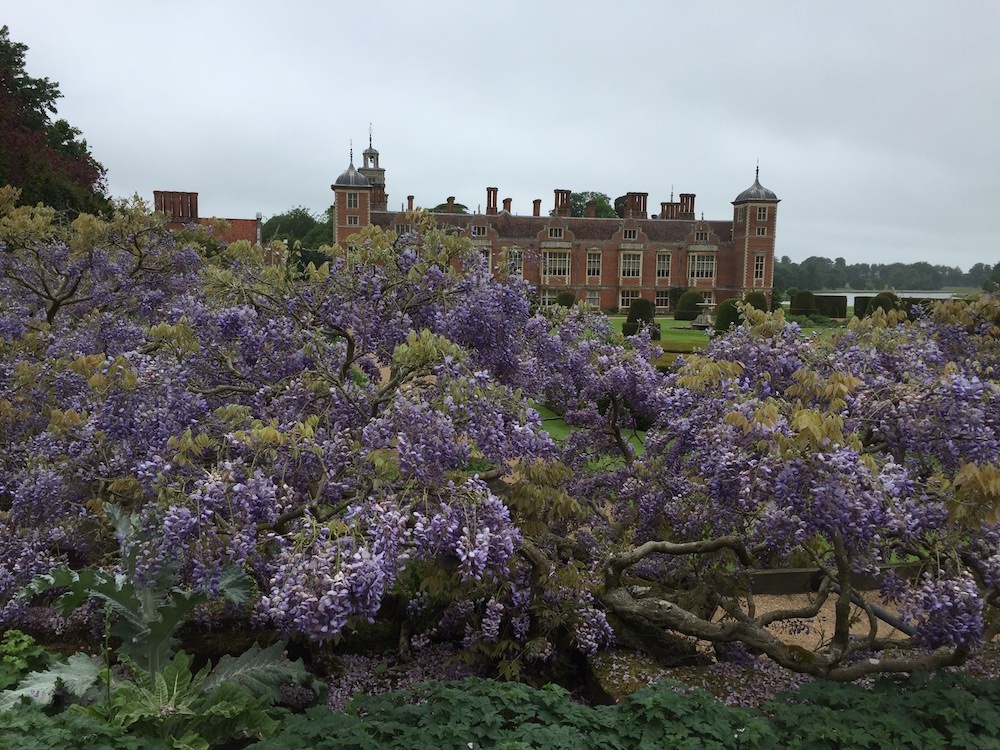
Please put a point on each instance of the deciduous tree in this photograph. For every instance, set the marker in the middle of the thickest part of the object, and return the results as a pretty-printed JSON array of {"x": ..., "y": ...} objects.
[{"x": 47, "y": 159}]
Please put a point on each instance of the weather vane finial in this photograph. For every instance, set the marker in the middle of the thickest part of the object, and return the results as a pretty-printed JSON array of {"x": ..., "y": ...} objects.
[
  {"x": 369, "y": 135},
  {"x": 351, "y": 144}
]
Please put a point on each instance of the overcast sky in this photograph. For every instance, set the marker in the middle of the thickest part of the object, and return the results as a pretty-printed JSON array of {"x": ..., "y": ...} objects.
[{"x": 877, "y": 124}]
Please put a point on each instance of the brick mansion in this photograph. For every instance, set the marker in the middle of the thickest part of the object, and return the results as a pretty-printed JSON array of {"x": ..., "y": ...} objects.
[{"x": 607, "y": 262}]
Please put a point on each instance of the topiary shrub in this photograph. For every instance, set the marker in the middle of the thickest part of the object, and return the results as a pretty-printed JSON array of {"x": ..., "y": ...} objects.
[
  {"x": 777, "y": 297},
  {"x": 757, "y": 300},
  {"x": 884, "y": 301},
  {"x": 803, "y": 303},
  {"x": 727, "y": 316},
  {"x": 566, "y": 299},
  {"x": 832, "y": 305},
  {"x": 640, "y": 315},
  {"x": 641, "y": 310},
  {"x": 688, "y": 306}
]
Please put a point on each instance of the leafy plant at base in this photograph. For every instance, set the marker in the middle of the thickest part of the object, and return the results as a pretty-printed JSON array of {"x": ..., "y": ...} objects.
[
  {"x": 487, "y": 714},
  {"x": 28, "y": 728},
  {"x": 76, "y": 676},
  {"x": 943, "y": 712},
  {"x": 19, "y": 654},
  {"x": 164, "y": 699},
  {"x": 193, "y": 711},
  {"x": 145, "y": 618}
]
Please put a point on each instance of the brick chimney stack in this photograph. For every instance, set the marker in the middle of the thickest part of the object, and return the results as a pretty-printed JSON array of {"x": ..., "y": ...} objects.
[
  {"x": 506, "y": 204},
  {"x": 562, "y": 206},
  {"x": 590, "y": 211},
  {"x": 536, "y": 207},
  {"x": 635, "y": 205},
  {"x": 180, "y": 206},
  {"x": 409, "y": 203},
  {"x": 491, "y": 201},
  {"x": 451, "y": 204},
  {"x": 687, "y": 206}
]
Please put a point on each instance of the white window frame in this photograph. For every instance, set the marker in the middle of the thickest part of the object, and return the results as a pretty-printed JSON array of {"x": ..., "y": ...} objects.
[
  {"x": 701, "y": 266},
  {"x": 555, "y": 233},
  {"x": 631, "y": 262},
  {"x": 626, "y": 297},
  {"x": 594, "y": 264},
  {"x": 701, "y": 236},
  {"x": 352, "y": 200},
  {"x": 663, "y": 266},
  {"x": 759, "y": 266},
  {"x": 515, "y": 260},
  {"x": 761, "y": 213},
  {"x": 402, "y": 229},
  {"x": 478, "y": 230},
  {"x": 663, "y": 299},
  {"x": 353, "y": 221},
  {"x": 555, "y": 263},
  {"x": 547, "y": 297},
  {"x": 593, "y": 298},
  {"x": 630, "y": 235},
  {"x": 488, "y": 256},
  {"x": 762, "y": 231}
]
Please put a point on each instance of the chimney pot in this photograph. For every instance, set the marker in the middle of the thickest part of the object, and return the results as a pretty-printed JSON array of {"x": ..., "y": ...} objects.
[
  {"x": 409, "y": 203},
  {"x": 537, "y": 207},
  {"x": 506, "y": 204}
]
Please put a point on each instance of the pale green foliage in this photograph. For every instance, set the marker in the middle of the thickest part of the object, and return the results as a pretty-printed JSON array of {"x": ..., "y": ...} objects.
[
  {"x": 260, "y": 672},
  {"x": 146, "y": 618},
  {"x": 76, "y": 676},
  {"x": 177, "y": 705}
]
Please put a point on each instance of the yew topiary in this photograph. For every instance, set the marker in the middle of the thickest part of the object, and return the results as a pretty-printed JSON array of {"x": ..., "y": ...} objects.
[{"x": 688, "y": 305}]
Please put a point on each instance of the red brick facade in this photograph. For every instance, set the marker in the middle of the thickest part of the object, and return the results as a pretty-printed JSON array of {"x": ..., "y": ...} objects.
[
  {"x": 605, "y": 262},
  {"x": 182, "y": 208}
]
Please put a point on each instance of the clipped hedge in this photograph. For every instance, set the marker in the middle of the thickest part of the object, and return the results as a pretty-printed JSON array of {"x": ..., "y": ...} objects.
[
  {"x": 831, "y": 305},
  {"x": 688, "y": 306},
  {"x": 640, "y": 315},
  {"x": 641, "y": 310},
  {"x": 861, "y": 306},
  {"x": 566, "y": 299},
  {"x": 885, "y": 301},
  {"x": 727, "y": 315},
  {"x": 803, "y": 303},
  {"x": 757, "y": 300}
]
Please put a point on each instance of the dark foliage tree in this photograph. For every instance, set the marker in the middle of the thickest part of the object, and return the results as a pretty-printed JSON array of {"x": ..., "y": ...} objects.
[
  {"x": 294, "y": 225},
  {"x": 602, "y": 204},
  {"x": 46, "y": 159}
]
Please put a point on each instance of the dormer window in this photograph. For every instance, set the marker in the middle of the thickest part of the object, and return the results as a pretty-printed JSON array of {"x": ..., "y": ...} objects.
[
  {"x": 701, "y": 236},
  {"x": 630, "y": 234},
  {"x": 555, "y": 233},
  {"x": 478, "y": 231}
]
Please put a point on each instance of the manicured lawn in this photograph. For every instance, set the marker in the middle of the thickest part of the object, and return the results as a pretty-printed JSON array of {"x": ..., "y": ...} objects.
[{"x": 553, "y": 424}]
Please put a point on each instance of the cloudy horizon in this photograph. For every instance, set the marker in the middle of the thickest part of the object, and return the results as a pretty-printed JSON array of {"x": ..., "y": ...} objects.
[{"x": 875, "y": 124}]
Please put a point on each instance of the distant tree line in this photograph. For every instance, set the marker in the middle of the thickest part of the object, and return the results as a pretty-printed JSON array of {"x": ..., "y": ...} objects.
[{"x": 822, "y": 273}]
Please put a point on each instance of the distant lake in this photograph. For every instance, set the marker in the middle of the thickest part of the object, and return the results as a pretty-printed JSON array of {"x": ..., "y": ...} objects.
[{"x": 905, "y": 293}]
